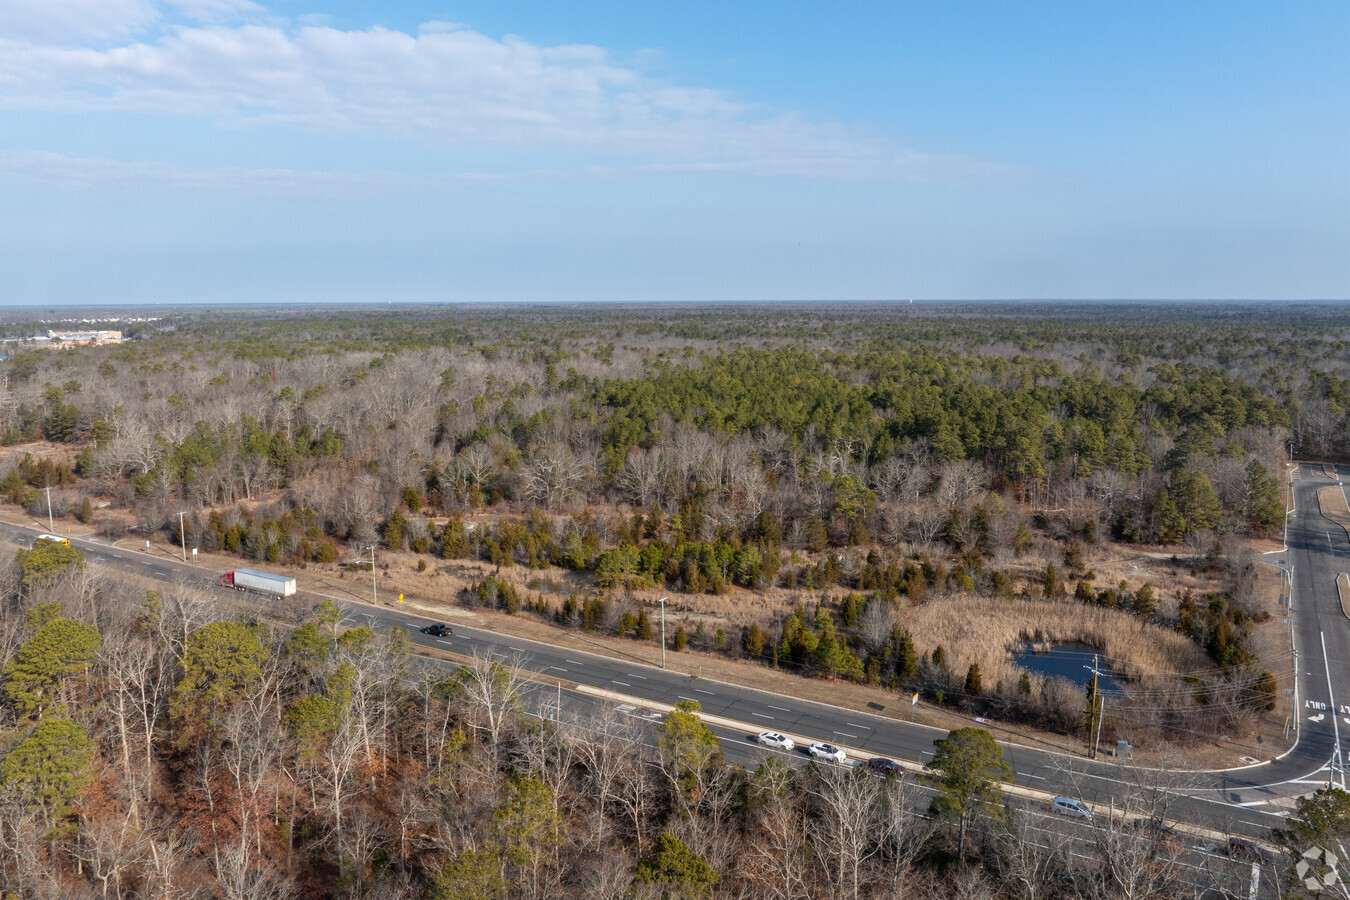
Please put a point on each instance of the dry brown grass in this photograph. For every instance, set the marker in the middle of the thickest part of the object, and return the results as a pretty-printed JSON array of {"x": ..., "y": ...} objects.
[
  {"x": 1168, "y": 569},
  {"x": 1343, "y": 588},
  {"x": 985, "y": 631}
]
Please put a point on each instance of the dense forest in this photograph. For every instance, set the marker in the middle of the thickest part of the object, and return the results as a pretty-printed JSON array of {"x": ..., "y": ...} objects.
[
  {"x": 833, "y": 493},
  {"x": 850, "y": 465}
]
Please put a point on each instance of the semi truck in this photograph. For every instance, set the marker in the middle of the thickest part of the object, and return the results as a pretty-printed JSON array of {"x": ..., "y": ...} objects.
[{"x": 259, "y": 582}]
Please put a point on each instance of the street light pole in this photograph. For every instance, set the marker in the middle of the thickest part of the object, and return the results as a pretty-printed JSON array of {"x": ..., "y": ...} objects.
[
  {"x": 182, "y": 535},
  {"x": 662, "y": 601},
  {"x": 1337, "y": 761},
  {"x": 50, "y": 525}
]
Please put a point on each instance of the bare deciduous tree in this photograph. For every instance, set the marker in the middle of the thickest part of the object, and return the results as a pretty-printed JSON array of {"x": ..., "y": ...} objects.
[
  {"x": 878, "y": 619},
  {"x": 643, "y": 476},
  {"x": 845, "y": 803},
  {"x": 490, "y": 690},
  {"x": 553, "y": 475},
  {"x": 959, "y": 481},
  {"x": 241, "y": 877}
]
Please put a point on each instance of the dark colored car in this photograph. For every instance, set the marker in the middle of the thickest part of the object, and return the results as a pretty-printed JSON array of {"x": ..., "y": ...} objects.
[
  {"x": 1241, "y": 848},
  {"x": 880, "y": 765},
  {"x": 440, "y": 629}
]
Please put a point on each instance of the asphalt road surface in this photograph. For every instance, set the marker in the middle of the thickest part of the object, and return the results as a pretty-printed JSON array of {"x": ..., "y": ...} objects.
[{"x": 1236, "y": 801}]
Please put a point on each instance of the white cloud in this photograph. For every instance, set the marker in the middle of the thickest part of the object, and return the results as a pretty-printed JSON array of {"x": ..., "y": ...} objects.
[
  {"x": 446, "y": 85},
  {"x": 214, "y": 10},
  {"x": 74, "y": 20},
  {"x": 68, "y": 22}
]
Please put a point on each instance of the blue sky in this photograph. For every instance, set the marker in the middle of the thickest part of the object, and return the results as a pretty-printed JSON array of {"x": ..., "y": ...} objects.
[{"x": 303, "y": 150}]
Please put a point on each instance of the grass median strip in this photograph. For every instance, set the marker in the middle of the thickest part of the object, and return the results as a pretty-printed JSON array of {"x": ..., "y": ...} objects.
[{"x": 1331, "y": 499}]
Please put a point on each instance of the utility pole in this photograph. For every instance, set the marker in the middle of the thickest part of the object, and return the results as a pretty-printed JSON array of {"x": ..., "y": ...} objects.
[
  {"x": 182, "y": 535},
  {"x": 662, "y": 601},
  {"x": 374, "y": 584},
  {"x": 1094, "y": 711},
  {"x": 1096, "y": 738}
]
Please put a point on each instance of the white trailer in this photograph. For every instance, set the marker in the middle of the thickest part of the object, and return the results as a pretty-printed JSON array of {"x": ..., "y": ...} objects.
[{"x": 261, "y": 582}]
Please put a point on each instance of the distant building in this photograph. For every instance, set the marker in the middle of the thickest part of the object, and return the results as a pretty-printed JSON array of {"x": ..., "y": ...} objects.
[{"x": 83, "y": 338}]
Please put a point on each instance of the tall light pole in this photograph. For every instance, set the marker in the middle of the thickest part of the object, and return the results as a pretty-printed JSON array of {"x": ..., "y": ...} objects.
[
  {"x": 50, "y": 525},
  {"x": 1337, "y": 761},
  {"x": 182, "y": 535},
  {"x": 662, "y": 601}
]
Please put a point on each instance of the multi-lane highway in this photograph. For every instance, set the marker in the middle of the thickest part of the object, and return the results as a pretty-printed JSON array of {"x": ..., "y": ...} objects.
[
  {"x": 1239, "y": 801},
  {"x": 1318, "y": 550}
]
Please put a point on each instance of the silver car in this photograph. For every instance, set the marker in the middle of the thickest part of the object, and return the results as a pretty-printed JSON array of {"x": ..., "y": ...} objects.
[{"x": 1067, "y": 806}]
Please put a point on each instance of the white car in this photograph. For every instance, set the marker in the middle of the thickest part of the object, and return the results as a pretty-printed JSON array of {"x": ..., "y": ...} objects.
[
  {"x": 775, "y": 740},
  {"x": 828, "y": 751},
  {"x": 1075, "y": 809}
]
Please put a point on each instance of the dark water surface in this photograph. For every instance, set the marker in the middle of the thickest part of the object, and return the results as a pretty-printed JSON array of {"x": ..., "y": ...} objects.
[{"x": 1065, "y": 661}]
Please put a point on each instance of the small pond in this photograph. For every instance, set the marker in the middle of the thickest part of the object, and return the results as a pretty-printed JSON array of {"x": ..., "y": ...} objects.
[
  {"x": 544, "y": 586},
  {"x": 1063, "y": 661}
]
